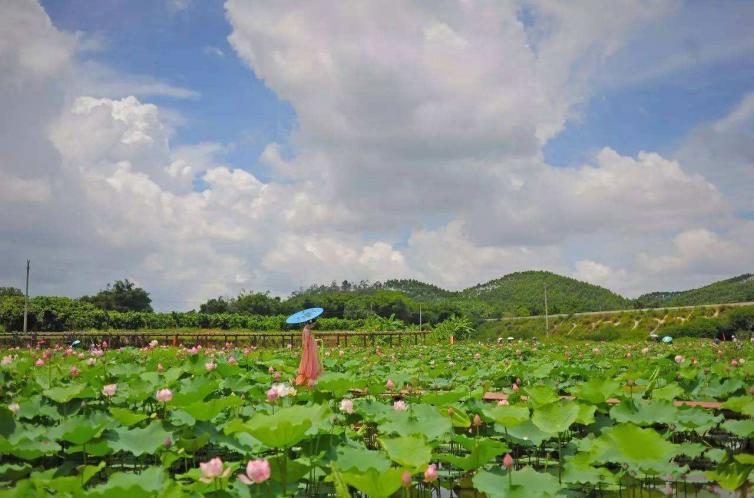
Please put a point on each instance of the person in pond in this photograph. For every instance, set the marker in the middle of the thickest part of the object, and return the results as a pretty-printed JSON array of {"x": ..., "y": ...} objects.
[{"x": 309, "y": 368}]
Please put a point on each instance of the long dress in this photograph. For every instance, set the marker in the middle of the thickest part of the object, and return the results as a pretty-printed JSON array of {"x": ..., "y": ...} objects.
[{"x": 309, "y": 368}]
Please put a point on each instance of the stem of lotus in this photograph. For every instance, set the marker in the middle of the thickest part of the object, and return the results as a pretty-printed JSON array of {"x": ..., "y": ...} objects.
[
  {"x": 560, "y": 459},
  {"x": 284, "y": 471}
]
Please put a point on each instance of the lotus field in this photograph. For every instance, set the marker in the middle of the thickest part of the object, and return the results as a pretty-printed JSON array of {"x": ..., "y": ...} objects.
[{"x": 565, "y": 419}]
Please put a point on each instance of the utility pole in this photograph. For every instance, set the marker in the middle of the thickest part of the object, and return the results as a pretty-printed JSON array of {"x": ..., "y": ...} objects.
[
  {"x": 26, "y": 300},
  {"x": 547, "y": 317}
]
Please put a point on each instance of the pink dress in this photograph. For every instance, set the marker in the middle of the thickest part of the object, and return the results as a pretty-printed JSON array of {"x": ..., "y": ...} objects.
[{"x": 310, "y": 368}]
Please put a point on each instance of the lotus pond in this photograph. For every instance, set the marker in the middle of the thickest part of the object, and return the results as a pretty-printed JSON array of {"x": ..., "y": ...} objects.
[{"x": 565, "y": 420}]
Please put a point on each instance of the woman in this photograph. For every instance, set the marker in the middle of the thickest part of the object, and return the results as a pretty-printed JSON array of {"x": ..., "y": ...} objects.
[{"x": 309, "y": 368}]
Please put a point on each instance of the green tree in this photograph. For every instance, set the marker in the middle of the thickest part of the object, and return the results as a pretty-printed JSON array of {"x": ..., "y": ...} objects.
[
  {"x": 122, "y": 295},
  {"x": 256, "y": 303}
]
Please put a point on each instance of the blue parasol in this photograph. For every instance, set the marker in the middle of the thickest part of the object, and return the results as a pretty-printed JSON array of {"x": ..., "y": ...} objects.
[
  {"x": 667, "y": 339},
  {"x": 304, "y": 315}
]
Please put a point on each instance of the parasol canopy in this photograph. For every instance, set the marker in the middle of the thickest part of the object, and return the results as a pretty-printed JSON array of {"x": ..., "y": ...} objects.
[{"x": 304, "y": 315}]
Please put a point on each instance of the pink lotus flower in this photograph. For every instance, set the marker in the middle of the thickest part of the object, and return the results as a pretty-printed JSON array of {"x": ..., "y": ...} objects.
[
  {"x": 232, "y": 361},
  {"x": 256, "y": 471},
  {"x": 91, "y": 361},
  {"x": 400, "y": 406},
  {"x": 734, "y": 362},
  {"x": 164, "y": 395},
  {"x": 40, "y": 362},
  {"x": 390, "y": 384},
  {"x": 109, "y": 389},
  {"x": 406, "y": 479},
  {"x": 271, "y": 370},
  {"x": 346, "y": 406},
  {"x": 515, "y": 387},
  {"x": 502, "y": 402},
  {"x": 7, "y": 360},
  {"x": 477, "y": 356},
  {"x": 167, "y": 443},
  {"x": 14, "y": 407},
  {"x": 430, "y": 475},
  {"x": 277, "y": 376},
  {"x": 272, "y": 394},
  {"x": 160, "y": 368},
  {"x": 645, "y": 350},
  {"x": 153, "y": 343},
  {"x": 629, "y": 355},
  {"x": 212, "y": 470},
  {"x": 210, "y": 365},
  {"x": 596, "y": 350},
  {"x": 477, "y": 420},
  {"x": 508, "y": 461},
  {"x": 678, "y": 358},
  {"x": 74, "y": 371}
]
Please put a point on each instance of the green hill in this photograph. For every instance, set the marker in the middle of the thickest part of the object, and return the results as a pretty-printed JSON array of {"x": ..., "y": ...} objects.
[
  {"x": 419, "y": 291},
  {"x": 733, "y": 290},
  {"x": 523, "y": 294}
]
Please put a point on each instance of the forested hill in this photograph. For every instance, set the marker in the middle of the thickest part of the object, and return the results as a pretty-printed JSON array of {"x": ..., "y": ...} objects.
[
  {"x": 523, "y": 294},
  {"x": 733, "y": 290},
  {"x": 420, "y": 291}
]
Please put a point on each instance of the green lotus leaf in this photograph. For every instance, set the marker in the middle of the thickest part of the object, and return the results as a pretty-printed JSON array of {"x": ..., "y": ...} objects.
[
  {"x": 410, "y": 451},
  {"x": 481, "y": 451},
  {"x": 458, "y": 416},
  {"x": 7, "y": 422},
  {"x": 336, "y": 383},
  {"x": 586, "y": 414},
  {"x": 697, "y": 419},
  {"x": 373, "y": 483},
  {"x": 286, "y": 427},
  {"x": 541, "y": 395},
  {"x": 577, "y": 469},
  {"x": 207, "y": 410},
  {"x": 691, "y": 450},
  {"x": 80, "y": 430},
  {"x": 525, "y": 434},
  {"x": 507, "y": 415},
  {"x": 191, "y": 390},
  {"x": 420, "y": 419},
  {"x": 126, "y": 416},
  {"x": 445, "y": 398},
  {"x": 668, "y": 393},
  {"x": 730, "y": 475},
  {"x": 138, "y": 441},
  {"x": 744, "y": 458},
  {"x": 556, "y": 417},
  {"x": 644, "y": 449},
  {"x": 741, "y": 404},
  {"x": 149, "y": 482},
  {"x": 741, "y": 428},
  {"x": 193, "y": 444},
  {"x": 360, "y": 459},
  {"x": 65, "y": 394},
  {"x": 596, "y": 390},
  {"x": 644, "y": 412},
  {"x": 294, "y": 469},
  {"x": 527, "y": 483},
  {"x": 14, "y": 472}
]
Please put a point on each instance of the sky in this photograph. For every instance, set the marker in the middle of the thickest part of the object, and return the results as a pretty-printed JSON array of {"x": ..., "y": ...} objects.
[{"x": 205, "y": 148}]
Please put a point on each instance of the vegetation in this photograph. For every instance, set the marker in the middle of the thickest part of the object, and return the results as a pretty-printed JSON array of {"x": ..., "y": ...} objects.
[
  {"x": 699, "y": 322},
  {"x": 123, "y": 295},
  {"x": 738, "y": 289},
  {"x": 382, "y": 422}
]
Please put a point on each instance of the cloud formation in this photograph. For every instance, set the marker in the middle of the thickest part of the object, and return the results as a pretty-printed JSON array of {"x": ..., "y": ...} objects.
[{"x": 417, "y": 153}]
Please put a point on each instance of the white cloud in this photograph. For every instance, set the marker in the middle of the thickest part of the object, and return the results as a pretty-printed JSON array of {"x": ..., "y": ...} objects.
[
  {"x": 723, "y": 151},
  {"x": 418, "y": 152}
]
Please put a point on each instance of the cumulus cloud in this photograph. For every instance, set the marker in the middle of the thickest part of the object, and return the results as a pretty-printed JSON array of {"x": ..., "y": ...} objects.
[
  {"x": 418, "y": 153},
  {"x": 723, "y": 151}
]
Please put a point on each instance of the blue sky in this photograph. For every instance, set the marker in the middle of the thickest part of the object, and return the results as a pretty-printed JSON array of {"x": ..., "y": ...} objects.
[
  {"x": 189, "y": 48},
  {"x": 209, "y": 147}
]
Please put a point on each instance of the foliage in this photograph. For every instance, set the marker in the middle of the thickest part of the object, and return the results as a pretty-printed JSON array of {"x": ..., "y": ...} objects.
[
  {"x": 61, "y": 435},
  {"x": 122, "y": 295},
  {"x": 738, "y": 289}
]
